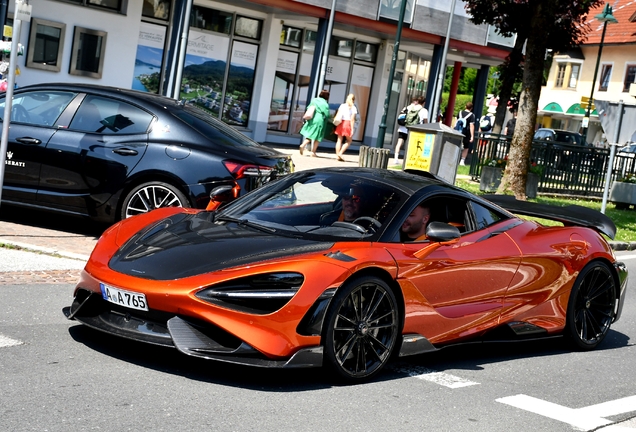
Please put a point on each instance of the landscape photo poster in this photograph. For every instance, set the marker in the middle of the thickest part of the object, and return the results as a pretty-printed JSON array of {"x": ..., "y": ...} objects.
[
  {"x": 240, "y": 83},
  {"x": 150, "y": 49},
  {"x": 204, "y": 69}
]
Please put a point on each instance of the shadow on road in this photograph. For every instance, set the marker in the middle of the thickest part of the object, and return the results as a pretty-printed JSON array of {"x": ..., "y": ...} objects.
[
  {"x": 51, "y": 220},
  {"x": 463, "y": 357}
]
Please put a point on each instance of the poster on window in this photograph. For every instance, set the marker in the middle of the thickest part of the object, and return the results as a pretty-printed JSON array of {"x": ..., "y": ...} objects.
[
  {"x": 204, "y": 69},
  {"x": 147, "y": 74},
  {"x": 284, "y": 79},
  {"x": 240, "y": 83},
  {"x": 361, "y": 80}
]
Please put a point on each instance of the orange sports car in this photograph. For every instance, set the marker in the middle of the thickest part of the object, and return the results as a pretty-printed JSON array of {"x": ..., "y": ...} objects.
[{"x": 347, "y": 267}]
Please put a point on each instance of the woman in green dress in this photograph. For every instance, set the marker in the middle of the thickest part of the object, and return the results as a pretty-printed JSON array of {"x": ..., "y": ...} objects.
[{"x": 315, "y": 128}]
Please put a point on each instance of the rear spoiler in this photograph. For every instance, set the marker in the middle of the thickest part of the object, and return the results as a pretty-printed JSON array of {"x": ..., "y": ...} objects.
[{"x": 568, "y": 215}]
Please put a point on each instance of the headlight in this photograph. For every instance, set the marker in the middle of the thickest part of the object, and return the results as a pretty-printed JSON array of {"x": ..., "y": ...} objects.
[{"x": 258, "y": 294}]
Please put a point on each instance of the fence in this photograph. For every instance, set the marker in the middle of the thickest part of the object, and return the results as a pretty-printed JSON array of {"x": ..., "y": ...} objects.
[{"x": 567, "y": 169}]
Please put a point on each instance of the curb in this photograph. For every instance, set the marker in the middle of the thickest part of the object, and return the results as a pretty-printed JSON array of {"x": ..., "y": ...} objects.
[
  {"x": 622, "y": 246},
  {"x": 49, "y": 251}
]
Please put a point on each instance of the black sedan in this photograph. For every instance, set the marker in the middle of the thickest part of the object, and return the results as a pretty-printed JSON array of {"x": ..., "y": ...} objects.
[{"x": 111, "y": 153}]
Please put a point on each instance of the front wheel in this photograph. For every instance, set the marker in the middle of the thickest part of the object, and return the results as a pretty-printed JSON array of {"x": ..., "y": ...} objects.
[
  {"x": 150, "y": 196},
  {"x": 361, "y": 328},
  {"x": 591, "y": 306}
]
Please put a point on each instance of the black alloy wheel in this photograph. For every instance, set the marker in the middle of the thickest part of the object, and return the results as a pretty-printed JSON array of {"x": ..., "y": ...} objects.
[
  {"x": 591, "y": 306},
  {"x": 361, "y": 329},
  {"x": 150, "y": 196}
]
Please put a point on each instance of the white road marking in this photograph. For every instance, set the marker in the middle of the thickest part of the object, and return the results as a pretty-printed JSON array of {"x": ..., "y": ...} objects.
[
  {"x": 586, "y": 418},
  {"x": 441, "y": 378},
  {"x": 624, "y": 257},
  {"x": 7, "y": 341}
]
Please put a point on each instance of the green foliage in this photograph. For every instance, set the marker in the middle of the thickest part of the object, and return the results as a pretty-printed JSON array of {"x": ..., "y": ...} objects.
[
  {"x": 460, "y": 102},
  {"x": 629, "y": 178}
]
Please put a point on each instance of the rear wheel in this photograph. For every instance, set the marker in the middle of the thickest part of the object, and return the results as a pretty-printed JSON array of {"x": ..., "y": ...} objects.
[
  {"x": 591, "y": 306},
  {"x": 361, "y": 328},
  {"x": 150, "y": 196}
]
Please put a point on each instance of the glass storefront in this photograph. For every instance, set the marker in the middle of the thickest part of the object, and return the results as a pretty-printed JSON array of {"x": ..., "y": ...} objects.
[{"x": 350, "y": 69}]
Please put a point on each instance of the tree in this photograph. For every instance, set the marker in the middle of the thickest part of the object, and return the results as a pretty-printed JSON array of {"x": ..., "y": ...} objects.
[{"x": 543, "y": 24}]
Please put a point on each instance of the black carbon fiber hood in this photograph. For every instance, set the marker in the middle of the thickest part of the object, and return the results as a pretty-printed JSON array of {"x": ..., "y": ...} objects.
[{"x": 187, "y": 245}]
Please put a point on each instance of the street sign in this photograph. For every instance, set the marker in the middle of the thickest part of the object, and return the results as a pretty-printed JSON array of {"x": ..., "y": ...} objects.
[
  {"x": 586, "y": 105},
  {"x": 584, "y": 100}
]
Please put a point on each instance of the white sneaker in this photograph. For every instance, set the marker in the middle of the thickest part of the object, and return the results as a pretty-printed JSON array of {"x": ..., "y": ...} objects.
[
  {"x": 462, "y": 162},
  {"x": 396, "y": 162}
]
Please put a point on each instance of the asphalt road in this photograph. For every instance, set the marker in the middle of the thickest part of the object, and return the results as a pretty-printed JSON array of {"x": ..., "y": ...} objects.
[{"x": 57, "y": 375}]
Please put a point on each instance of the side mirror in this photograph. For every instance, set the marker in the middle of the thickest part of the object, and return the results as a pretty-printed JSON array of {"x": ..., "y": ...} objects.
[
  {"x": 442, "y": 232},
  {"x": 221, "y": 195}
]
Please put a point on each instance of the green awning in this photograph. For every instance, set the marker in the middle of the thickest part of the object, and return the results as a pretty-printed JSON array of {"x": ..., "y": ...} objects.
[
  {"x": 576, "y": 109},
  {"x": 553, "y": 107}
]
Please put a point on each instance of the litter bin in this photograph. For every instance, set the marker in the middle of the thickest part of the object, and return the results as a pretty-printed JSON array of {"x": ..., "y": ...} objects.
[{"x": 435, "y": 148}]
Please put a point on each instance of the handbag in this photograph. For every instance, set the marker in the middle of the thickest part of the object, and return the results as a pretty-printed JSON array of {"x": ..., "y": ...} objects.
[
  {"x": 309, "y": 114},
  {"x": 401, "y": 120},
  {"x": 337, "y": 119}
]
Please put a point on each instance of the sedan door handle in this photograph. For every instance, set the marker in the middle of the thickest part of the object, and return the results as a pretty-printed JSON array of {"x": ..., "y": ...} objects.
[
  {"x": 29, "y": 140},
  {"x": 126, "y": 151}
]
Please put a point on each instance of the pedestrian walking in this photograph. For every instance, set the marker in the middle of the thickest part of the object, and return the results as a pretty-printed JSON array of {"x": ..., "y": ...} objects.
[
  {"x": 510, "y": 125},
  {"x": 315, "y": 125},
  {"x": 466, "y": 119},
  {"x": 345, "y": 120},
  {"x": 410, "y": 115}
]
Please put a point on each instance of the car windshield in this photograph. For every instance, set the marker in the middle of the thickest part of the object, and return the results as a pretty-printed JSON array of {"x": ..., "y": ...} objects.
[{"x": 324, "y": 204}]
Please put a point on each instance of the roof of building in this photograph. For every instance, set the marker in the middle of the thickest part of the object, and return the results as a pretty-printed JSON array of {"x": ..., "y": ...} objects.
[{"x": 622, "y": 32}]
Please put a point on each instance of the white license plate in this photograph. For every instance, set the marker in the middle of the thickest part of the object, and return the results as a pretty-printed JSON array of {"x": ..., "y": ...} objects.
[{"x": 121, "y": 297}]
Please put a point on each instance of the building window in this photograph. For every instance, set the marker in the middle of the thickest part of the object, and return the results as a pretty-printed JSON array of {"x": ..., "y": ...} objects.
[
  {"x": 606, "y": 74},
  {"x": 630, "y": 77},
  {"x": 248, "y": 27},
  {"x": 291, "y": 36},
  {"x": 210, "y": 19},
  {"x": 567, "y": 75},
  {"x": 341, "y": 47},
  {"x": 112, "y": 5},
  {"x": 366, "y": 52},
  {"x": 87, "y": 58},
  {"x": 390, "y": 11},
  {"x": 158, "y": 9},
  {"x": 46, "y": 42}
]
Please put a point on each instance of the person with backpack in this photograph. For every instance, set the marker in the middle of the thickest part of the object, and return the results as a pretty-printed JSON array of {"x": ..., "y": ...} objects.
[
  {"x": 466, "y": 125},
  {"x": 414, "y": 114},
  {"x": 488, "y": 121}
]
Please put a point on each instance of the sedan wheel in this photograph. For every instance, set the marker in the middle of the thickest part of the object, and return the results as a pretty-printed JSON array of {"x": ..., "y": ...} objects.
[
  {"x": 361, "y": 328},
  {"x": 151, "y": 196},
  {"x": 591, "y": 306}
]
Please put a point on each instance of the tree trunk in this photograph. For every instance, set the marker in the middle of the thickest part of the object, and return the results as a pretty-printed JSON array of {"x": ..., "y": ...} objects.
[
  {"x": 515, "y": 176},
  {"x": 509, "y": 77}
]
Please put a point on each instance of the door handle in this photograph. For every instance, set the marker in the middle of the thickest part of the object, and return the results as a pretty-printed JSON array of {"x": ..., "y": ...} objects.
[
  {"x": 29, "y": 140},
  {"x": 126, "y": 151}
]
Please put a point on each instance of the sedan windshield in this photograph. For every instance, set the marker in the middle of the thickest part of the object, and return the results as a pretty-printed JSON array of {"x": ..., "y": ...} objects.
[{"x": 325, "y": 204}]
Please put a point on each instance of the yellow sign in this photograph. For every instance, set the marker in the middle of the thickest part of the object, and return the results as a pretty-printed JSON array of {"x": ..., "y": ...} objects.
[
  {"x": 584, "y": 100},
  {"x": 8, "y": 31},
  {"x": 419, "y": 151},
  {"x": 586, "y": 105}
]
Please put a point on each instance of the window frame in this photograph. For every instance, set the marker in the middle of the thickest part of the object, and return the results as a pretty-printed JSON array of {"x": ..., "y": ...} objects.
[
  {"x": 73, "y": 70},
  {"x": 29, "y": 62},
  {"x": 563, "y": 78},
  {"x": 604, "y": 67},
  {"x": 626, "y": 85}
]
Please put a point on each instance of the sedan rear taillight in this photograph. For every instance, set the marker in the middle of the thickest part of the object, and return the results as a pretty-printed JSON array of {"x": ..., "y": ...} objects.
[{"x": 240, "y": 170}]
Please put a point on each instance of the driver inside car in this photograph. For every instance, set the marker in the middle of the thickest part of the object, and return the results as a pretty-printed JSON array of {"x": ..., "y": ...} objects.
[{"x": 354, "y": 201}]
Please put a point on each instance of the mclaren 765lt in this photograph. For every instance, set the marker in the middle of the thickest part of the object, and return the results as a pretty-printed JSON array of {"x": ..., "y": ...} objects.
[{"x": 345, "y": 268}]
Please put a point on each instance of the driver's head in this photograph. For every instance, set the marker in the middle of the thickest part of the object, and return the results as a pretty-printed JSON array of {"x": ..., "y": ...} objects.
[
  {"x": 352, "y": 203},
  {"x": 414, "y": 226}
]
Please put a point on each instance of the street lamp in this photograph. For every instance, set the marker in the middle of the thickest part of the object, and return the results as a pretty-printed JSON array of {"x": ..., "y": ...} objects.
[{"x": 604, "y": 17}]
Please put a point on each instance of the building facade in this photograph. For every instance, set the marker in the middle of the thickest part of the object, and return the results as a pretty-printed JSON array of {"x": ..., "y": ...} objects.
[
  {"x": 572, "y": 73},
  {"x": 255, "y": 64}
]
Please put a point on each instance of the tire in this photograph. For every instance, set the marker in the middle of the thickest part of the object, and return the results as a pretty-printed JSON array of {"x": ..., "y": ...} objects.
[
  {"x": 150, "y": 196},
  {"x": 591, "y": 306},
  {"x": 361, "y": 329}
]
